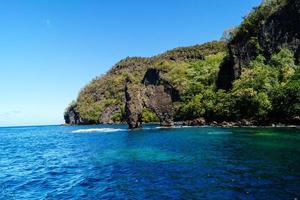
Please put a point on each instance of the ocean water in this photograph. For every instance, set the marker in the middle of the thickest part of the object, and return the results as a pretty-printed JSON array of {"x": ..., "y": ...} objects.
[{"x": 110, "y": 162}]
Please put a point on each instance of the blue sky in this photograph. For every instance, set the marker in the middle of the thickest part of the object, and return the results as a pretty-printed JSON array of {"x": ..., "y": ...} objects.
[{"x": 49, "y": 49}]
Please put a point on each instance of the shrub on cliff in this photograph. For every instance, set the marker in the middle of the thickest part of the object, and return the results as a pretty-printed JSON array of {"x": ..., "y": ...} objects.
[
  {"x": 149, "y": 116},
  {"x": 284, "y": 61},
  {"x": 286, "y": 99}
]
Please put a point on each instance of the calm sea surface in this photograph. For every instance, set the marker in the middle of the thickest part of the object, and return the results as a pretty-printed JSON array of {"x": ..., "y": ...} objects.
[{"x": 110, "y": 162}]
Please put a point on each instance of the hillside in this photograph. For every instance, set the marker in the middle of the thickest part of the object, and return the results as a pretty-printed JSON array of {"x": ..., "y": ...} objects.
[
  {"x": 103, "y": 99},
  {"x": 252, "y": 78}
]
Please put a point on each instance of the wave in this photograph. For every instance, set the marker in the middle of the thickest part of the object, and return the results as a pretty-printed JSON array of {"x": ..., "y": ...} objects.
[
  {"x": 219, "y": 133},
  {"x": 103, "y": 130}
]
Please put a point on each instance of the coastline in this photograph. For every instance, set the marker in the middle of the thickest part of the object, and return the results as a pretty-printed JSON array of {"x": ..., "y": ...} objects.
[{"x": 212, "y": 125}]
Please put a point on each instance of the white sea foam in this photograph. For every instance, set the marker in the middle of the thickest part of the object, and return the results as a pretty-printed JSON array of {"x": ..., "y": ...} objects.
[
  {"x": 102, "y": 130},
  {"x": 219, "y": 133},
  {"x": 171, "y": 127}
]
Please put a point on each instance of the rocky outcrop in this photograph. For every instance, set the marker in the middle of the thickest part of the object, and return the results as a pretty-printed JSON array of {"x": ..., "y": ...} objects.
[
  {"x": 280, "y": 29},
  {"x": 195, "y": 122},
  {"x": 159, "y": 100},
  {"x": 134, "y": 104},
  {"x": 153, "y": 93},
  {"x": 108, "y": 113},
  {"x": 71, "y": 115}
]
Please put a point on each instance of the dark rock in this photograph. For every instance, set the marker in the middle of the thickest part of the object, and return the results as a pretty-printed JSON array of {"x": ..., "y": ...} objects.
[
  {"x": 134, "y": 105},
  {"x": 151, "y": 77},
  {"x": 153, "y": 93},
  {"x": 108, "y": 113},
  {"x": 296, "y": 120},
  {"x": 198, "y": 122},
  {"x": 214, "y": 123},
  {"x": 71, "y": 115},
  {"x": 227, "y": 124},
  {"x": 245, "y": 122},
  {"x": 226, "y": 74},
  {"x": 159, "y": 101}
]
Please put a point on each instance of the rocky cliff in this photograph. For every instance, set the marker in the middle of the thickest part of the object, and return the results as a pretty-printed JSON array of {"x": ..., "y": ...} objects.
[
  {"x": 71, "y": 115},
  {"x": 267, "y": 29},
  {"x": 152, "y": 93}
]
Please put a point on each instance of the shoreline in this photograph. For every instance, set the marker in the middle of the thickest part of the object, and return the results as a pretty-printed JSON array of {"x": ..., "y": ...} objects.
[{"x": 209, "y": 125}]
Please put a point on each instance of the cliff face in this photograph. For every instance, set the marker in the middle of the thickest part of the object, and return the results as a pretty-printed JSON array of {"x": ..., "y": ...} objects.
[
  {"x": 71, "y": 115},
  {"x": 265, "y": 31},
  {"x": 153, "y": 93}
]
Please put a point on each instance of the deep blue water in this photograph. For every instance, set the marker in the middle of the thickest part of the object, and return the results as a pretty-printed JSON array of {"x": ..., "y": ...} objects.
[{"x": 57, "y": 162}]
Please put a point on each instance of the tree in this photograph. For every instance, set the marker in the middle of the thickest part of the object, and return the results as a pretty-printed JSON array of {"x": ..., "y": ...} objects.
[
  {"x": 259, "y": 76},
  {"x": 223, "y": 108},
  {"x": 193, "y": 108},
  {"x": 251, "y": 91},
  {"x": 284, "y": 61},
  {"x": 286, "y": 100}
]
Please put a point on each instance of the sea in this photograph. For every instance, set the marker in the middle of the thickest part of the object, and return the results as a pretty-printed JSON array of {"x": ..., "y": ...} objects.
[{"x": 112, "y": 162}]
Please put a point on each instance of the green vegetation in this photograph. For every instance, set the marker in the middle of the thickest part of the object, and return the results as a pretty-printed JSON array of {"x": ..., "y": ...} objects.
[
  {"x": 149, "y": 116},
  {"x": 267, "y": 91},
  {"x": 263, "y": 91},
  {"x": 198, "y": 98},
  {"x": 286, "y": 99}
]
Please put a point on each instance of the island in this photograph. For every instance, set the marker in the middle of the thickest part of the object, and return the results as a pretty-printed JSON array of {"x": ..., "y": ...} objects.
[{"x": 250, "y": 77}]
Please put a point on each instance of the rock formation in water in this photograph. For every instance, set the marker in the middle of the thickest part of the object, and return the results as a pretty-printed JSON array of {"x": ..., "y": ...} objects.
[{"x": 152, "y": 93}]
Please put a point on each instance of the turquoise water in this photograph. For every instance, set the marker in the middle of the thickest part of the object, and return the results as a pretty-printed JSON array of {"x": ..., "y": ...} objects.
[{"x": 110, "y": 162}]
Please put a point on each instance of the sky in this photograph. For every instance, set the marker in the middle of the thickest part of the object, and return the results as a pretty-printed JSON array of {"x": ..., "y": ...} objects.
[{"x": 50, "y": 49}]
